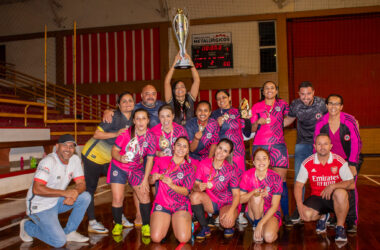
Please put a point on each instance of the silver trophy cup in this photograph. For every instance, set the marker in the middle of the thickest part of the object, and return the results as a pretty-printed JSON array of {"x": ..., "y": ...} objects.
[{"x": 181, "y": 30}]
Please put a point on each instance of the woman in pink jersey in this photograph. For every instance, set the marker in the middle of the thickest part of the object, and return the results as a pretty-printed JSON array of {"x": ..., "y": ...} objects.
[
  {"x": 267, "y": 121},
  {"x": 216, "y": 190},
  {"x": 127, "y": 165},
  {"x": 175, "y": 176},
  {"x": 167, "y": 131},
  {"x": 261, "y": 189}
]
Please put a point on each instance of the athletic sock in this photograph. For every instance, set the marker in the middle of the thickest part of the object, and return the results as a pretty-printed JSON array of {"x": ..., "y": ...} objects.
[
  {"x": 199, "y": 213},
  {"x": 116, "y": 213},
  {"x": 284, "y": 199},
  {"x": 145, "y": 212}
]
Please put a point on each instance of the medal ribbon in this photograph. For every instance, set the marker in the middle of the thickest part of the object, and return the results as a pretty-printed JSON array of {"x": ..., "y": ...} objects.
[
  {"x": 215, "y": 171},
  {"x": 174, "y": 169}
]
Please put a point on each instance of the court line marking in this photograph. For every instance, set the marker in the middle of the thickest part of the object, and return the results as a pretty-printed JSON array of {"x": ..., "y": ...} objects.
[{"x": 369, "y": 178}]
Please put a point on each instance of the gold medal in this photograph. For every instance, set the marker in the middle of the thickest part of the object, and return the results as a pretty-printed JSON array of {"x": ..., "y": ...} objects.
[
  {"x": 164, "y": 143},
  {"x": 162, "y": 177},
  {"x": 226, "y": 116},
  {"x": 201, "y": 128},
  {"x": 268, "y": 120},
  {"x": 209, "y": 185}
]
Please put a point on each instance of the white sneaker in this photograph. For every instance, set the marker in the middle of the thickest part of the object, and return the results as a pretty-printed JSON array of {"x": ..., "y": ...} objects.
[
  {"x": 217, "y": 220},
  {"x": 241, "y": 219},
  {"x": 23, "y": 234},
  {"x": 77, "y": 237},
  {"x": 125, "y": 222},
  {"x": 96, "y": 227}
]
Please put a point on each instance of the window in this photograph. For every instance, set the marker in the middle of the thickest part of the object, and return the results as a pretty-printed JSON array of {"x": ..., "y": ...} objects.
[{"x": 267, "y": 43}]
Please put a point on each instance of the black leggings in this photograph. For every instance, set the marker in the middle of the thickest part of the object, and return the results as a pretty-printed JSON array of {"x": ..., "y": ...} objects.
[{"x": 92, "y": 172}]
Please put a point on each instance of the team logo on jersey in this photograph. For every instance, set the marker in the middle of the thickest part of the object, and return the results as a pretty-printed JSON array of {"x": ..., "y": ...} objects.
[
  {"x": 278, "y": 108},
  {"x": 347, "y": 137},
  {"x": 209, "y": 135},
  {"x": 145, "y": 144},
  {"x": 158, "y": 207},
  {"x": 221, "y": 178},
  {"x": 232, "y": 116},
  {"x": 334, "y": 170},
  {"x": 44, "y": 169},
  {"x": 180, "y": 176},
  {"x": 318, "y": 116},
  {"x": 115, "y": 173}
]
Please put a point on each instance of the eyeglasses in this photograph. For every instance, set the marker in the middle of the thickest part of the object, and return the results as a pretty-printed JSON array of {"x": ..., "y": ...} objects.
[{"x": 336, "y": 104}]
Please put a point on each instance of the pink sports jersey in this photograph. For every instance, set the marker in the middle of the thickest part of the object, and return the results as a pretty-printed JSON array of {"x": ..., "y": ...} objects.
[
  {"x": 147, "y": 144},
  {"x": 272, "y": 183},
  {"x": 178, "y": 131},
  {"x": 222, "y": 180},
  {"x": 273, "y": 132},
  {"x": 182, "y": 175}
]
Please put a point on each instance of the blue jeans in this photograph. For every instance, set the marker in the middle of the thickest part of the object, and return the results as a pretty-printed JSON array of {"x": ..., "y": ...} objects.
[
  {"x": 302, "y": 151},
  {"x": 46, "y": 227}
]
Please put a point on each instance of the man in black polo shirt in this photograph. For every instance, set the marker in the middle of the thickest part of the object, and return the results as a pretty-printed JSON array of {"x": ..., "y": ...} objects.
[{"x": 308, "y": 109}]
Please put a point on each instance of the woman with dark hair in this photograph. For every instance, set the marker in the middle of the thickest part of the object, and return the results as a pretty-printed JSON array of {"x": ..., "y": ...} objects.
[
  {"x": 203, "y": 132},
  {"x": 96, "y": 155},
  {"x": 177, "y": 96},
  {"x": 231, "y": 127},
  {"x": 175, "y": 177},
  {"x": 216, "y": 190},
  {"x": 128, "y": 153},
  {"x": 167, "y": 131},
  {"x": 268, "y": 123},
  {"x": 261, "y": 189}
]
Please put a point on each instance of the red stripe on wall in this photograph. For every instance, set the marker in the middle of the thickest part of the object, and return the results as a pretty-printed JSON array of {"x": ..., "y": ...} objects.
[
  {"x": 79, "y": 60},
  {"x": 120, "y": 56},
  {"x": 111, "y": 56},
  {"x": 129, "y": 48},
  {"x": 112, "y": 99},
  {"x": 103, "y": 57},
  {"x": 138, "y": 55},
  {"x": 214, "y": 103},
  {"x": 235, "y": 97},
  {"x": 69, "y": 59},
  {"x": 94, "y": 58},
  {"x": 147, "y": 55},
  {"x": 255, "y": 93},
  {"x": 156, "y": 54},
  {"x": 245, "y": 93},
  {"x": 86, "y": 59}
]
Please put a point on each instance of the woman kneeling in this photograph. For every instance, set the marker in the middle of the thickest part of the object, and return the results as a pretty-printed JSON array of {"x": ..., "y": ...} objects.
[
  {"x": 175, "y": 178},
  {"x": 216, "y": 190},
  {"x": 261, "y": 188}
]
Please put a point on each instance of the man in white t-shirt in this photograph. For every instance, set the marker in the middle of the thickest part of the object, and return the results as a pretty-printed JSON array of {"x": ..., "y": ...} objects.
[{"x": 48, "y": 196}]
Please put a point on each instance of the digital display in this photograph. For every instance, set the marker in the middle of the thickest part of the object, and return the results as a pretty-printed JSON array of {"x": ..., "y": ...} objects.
[{"x": 212, "y": 56}]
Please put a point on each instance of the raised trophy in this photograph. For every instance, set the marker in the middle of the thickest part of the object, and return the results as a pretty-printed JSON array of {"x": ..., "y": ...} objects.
[
  {"x": 131, "y": 149},
  {"x": 245, "y": 111},
  {"x": 181, "y": 30}
]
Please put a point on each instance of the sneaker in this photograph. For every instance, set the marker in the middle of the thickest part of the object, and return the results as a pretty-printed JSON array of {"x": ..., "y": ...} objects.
[
  {"x": 95, "y": 238},
  {"x": 340, "y": 234},
  {"x": 117, "y": 229},
  {"x": 145, "y": 240},
  {"x": 77, "y": 237},
  {"x": 96, "y": 227},
  {"x": 145, "y": 230},
  {"x": 331, "y": 223},
  {"x": 217, "y": 220},
  {"x": 125, "y": 222},
  {"x": 228, "y": 232},
  {"x": 287, "y": 221},
  {"x": 117, "y": 238},
  {"x": 351, "y": 228},
  {"x": 241, "y": 219},
  {"x": 205, "y": 232},
  {"x": 23, "y": 234},
  {"x": 295, "y": 217},
  {"x": 211, "y": 221},
  {"x": 321, "y": 224}
]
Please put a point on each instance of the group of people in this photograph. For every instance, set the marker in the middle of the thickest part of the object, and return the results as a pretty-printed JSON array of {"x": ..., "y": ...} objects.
[{"x": 192, "y": 160}]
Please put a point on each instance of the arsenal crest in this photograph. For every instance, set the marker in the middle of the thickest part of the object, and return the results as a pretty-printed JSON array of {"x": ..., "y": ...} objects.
[{"x": 334, "y": 170}]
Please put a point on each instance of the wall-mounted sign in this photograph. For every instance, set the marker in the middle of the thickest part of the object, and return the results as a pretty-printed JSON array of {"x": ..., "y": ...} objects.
[{"x": 212, "y": 51}]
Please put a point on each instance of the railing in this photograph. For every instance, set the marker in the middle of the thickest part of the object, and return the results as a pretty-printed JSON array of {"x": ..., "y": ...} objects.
[{"x": 25, "y": 115}]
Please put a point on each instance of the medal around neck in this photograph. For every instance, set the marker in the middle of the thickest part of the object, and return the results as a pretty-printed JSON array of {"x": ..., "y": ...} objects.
[
  {"x": 180, "y": 25},
  {"x": 209, "y": 185}
]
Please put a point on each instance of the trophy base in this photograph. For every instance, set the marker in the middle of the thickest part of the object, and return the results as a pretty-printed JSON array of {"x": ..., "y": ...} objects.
[{"x": 183, "y": 64}]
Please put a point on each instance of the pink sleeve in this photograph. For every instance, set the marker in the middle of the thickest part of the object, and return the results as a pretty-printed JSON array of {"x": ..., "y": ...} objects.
[
  {"x": 254, "y": 115},
  {"x": 122, "y": 141},
  {"x": 156, "y": 166},
  {"x": 199, "y": 173},
  {"x": 286, "y": 109},
  {"x": 244, "y": 183}
]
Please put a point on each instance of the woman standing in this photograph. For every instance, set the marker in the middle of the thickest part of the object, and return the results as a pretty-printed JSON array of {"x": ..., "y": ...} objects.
[
  {"x": 177, "y": 96},
  {"x": 203, "y": 132},
  {"x": 261, "y": 189},
  {"x": 96, "y": 155},
  {"x": 175, "y": 176},
  {"x": 167, "y": 131},
  {"x": 267, "y": 121},
  {"x": 127, "y": 165},
  {"x": 216, "y": 190}
]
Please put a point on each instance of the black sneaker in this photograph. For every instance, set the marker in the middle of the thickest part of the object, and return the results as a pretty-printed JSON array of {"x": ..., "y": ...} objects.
[
  {"x": 321, "y": 224},
  {"x": 295, "y": 217},
  {"x": 331, "y": 223},
  {"x": 340, "y": 234},
  {"x": 211, "y": 221},
  {"x": 351, "y": 228},
  {"x": 287, "y": 221}
]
